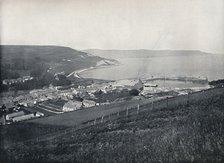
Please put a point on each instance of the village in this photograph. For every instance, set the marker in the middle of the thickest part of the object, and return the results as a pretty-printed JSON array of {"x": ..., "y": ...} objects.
[{"x": 58, "y": 99}]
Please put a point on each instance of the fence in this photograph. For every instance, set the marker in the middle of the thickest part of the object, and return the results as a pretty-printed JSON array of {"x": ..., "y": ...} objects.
[
  {"x": 135, "y": 109},
  {"x": 154, "y": 104}
]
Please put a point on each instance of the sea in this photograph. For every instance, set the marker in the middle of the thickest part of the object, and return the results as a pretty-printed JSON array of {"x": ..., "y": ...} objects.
[{"x": 209, "y": 66}]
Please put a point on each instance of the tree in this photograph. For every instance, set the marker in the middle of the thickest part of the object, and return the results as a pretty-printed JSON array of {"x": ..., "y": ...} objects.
[
  {"x": 134, "y": 92},
  {"x": 62, "y": 80}
]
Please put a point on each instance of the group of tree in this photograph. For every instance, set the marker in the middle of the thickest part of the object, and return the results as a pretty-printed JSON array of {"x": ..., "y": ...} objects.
[{"x": 217, "y": 83}]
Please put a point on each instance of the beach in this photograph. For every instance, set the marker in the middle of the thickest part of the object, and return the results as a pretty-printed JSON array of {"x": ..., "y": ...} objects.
[{"x": 101, "y": 64}]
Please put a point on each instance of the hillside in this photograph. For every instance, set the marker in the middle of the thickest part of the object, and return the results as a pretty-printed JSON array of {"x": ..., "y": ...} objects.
[
  {"x": 185, "y": 133},
  {"x": 17, "y": 61},
  {"x": 142, "y": 53}
]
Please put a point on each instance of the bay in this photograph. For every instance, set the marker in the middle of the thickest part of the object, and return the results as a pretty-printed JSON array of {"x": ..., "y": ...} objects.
[{"x": 199, "y": 66}]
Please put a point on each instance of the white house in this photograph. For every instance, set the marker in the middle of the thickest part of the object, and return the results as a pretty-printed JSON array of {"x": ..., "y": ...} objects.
[
  {"x": 71, "y": 106},
  {"x": 88, "y": 103}
]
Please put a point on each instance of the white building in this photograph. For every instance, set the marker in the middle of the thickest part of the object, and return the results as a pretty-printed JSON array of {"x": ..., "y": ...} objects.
[
  {"x": 39, "y": 114},
  {"x": 71, "y": 106},
  {"x": 12, "y": 115},
  {"x": 88, "y": 103},
  {"x": 23, "y": 117}
]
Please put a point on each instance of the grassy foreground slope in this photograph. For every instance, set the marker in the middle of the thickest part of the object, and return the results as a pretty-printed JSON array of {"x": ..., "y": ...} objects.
[{"x": 185, "y": 133}]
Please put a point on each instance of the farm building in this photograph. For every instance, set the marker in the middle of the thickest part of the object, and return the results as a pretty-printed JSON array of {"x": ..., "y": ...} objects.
[
  {"x": 23, "y": 117},
  {"x": 9, "y": 117}
]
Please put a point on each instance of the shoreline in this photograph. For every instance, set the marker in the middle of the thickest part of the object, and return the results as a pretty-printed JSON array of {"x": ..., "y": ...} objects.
[{"x": 76, "y": 73}]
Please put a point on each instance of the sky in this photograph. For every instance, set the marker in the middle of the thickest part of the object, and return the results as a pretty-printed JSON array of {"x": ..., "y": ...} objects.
[{"x": 115, "y": 24}]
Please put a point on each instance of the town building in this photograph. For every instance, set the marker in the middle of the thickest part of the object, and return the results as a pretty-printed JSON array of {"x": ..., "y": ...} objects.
[
  {"x": 15, "y": 81},
  {"x": 139, "y": 85},
  {"x": 71, "y": 106},
  {"x": 88, "y": 103}
]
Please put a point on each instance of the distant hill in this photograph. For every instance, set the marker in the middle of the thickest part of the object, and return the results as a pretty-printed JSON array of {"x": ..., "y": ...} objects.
[
  {"x": 141, "y": 53},
  {"x": 17, "y": 61}
]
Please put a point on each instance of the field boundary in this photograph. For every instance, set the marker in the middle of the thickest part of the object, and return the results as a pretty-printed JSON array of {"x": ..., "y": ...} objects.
[{"x": 133, "y": 111}]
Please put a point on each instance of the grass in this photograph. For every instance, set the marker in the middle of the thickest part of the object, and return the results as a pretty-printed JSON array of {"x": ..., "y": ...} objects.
[{"x": 185, "y": 133}]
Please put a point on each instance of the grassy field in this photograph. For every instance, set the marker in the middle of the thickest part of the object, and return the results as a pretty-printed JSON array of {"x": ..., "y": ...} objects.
[{"x": 191, "y": 132}]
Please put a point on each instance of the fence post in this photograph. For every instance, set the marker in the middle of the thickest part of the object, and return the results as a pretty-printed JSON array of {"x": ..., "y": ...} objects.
[
  {"x": 102, "y": 119},
  {"x": 188, "y": 99},
  {"x": 152, "y": 104},
  {"x": 127, "y": 112},
  {"x": 167, "y": 102},
  {"x": 138, "y": 109}
]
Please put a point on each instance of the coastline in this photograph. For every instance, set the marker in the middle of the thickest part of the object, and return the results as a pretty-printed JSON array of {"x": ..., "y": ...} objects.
[{"x": 76, "y": 73}]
